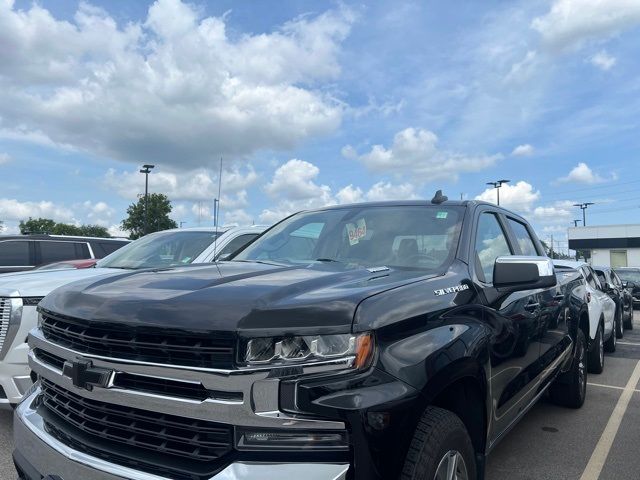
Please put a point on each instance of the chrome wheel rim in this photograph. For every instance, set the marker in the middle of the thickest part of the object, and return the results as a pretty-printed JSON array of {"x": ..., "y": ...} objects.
[
  {"x": 452, "y": 467},
  {"x": 601, "y": 347},
  {"x": 582, "y": 370}
]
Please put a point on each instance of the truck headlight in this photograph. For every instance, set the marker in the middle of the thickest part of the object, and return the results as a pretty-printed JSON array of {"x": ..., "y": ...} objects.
[{"x": 309, "y": 349}]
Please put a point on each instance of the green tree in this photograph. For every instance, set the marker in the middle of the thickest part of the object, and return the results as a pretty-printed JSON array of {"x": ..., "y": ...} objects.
[
  {"x": 37, "y": 225},
  {"x": 159, "y": 210},
  {"x": 46, "y": 225}
]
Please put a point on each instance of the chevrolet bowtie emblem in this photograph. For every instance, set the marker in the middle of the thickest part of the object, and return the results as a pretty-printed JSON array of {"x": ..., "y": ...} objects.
[{"x": 84, "y": 375}]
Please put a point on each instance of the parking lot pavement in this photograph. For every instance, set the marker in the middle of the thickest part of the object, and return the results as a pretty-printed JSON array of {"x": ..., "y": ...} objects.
[
  {"x": 556, "y": 443},
  {"x": 550, "y": 443},
  {"x": 6, "y": 446}
]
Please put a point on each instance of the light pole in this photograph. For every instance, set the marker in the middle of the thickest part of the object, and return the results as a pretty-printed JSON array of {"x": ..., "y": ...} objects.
[
  {"x": 146, "y": 169},
  {"x": 497, "y": 184},
  {"x": 583, "y": 207},
  {"x": 575, "y": 222}
]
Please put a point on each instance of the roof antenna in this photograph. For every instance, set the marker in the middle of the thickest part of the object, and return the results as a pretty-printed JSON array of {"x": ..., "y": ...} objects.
[
  {"x": 216, "y": 213},
  {"x": 439, "y": 198}
]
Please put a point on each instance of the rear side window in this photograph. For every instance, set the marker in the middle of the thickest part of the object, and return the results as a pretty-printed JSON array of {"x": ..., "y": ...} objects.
[
  {"x": 102, "y": 249},
  {"x": 491, "y": 243},
  {"x": 591, "y": 280},
  {"x": 14, "y": 253},
  {"x": 527, "y": 246},
  {"x": 58, "y": 251},
  {"x": 236, "y": 244}
]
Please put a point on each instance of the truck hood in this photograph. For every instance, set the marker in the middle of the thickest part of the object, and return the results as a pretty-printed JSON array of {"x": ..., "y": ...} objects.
[
  {"x": 252, "y": 298},
  {"x": 40, "y": 283}
]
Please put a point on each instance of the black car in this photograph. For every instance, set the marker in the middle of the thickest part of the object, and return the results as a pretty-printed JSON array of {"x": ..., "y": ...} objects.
[
  {"x": 631, "y": 278},
  {"x": 615, "y": 288},
  {"x": 26, "y": 252},
  {"x": 361, "y": 342}
]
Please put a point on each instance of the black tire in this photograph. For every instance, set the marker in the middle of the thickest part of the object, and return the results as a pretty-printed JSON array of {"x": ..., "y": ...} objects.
[
  {"x": 610, "y": 344},
  {"x": 570, "y": 388},
  {"x": 618, "y": 324},
  {"x": 438, "y": 433},
  {"x": 628, "y": 323},
  {"x": 596, "y": 353}
]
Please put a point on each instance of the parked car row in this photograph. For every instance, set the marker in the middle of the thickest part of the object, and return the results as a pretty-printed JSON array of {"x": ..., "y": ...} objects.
[
  {"x": 26, "y": 252},
  {"x": 370, "y": 341}
]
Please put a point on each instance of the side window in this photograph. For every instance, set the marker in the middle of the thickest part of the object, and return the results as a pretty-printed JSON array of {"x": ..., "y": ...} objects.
[
  {"x": 57, "y": 251},
  {"x": 491, "y": 243},
  {"x": 106, "y": 248},
  {"x": 616, "y": 280},
  {"x": 14, "y": 253},
  {"x": 527, "y": 246},
  {"x": 588, "y": 274},
  {"x": 237, "y": 243}
]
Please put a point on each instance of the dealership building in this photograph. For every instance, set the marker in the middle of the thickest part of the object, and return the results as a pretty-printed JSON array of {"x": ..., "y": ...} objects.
[{"x": 608, "y": 245}]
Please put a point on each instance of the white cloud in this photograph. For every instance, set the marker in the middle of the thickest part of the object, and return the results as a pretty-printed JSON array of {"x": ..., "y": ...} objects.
[
  {"x": 525, "y": 150},
  {"x": 382, "y": 191},
  {"x": 4, "y": 158},
  {"x": 11, "y": 209},
  {"x": 116, "y": 231},
  {"x": 603, "y": 60},
  {"x": 519, "y": 196},
  {"x": 555, "y": 212},
  {"x": 350, "y": 194},
  {"x": 175, "y": 89},
  {"x": 98, "y": 213},
  {"x": 238, "y": 217},
  {"x": 582, "y": 173},
  {"x": 196, "y": 185},
  {"x": 570, "y": 23},
  {"x": 295, "y": 181},
  {"x": 414, "y": 154}
]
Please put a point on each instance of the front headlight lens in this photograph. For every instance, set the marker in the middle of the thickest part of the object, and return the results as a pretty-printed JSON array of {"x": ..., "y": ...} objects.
[{"x": 311, "y": 348}]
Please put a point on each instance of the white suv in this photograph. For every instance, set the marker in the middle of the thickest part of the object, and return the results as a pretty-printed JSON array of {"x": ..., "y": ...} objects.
[
  {"x": 21, "y": 292},
  {"x": 602, "y": 312}
]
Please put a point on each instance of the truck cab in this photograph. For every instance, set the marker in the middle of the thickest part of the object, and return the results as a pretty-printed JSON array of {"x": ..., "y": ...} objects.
[{"x": 370, "y": 341}]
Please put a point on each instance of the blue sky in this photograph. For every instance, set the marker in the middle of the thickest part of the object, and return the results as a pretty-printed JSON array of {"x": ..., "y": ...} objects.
[{"x": 311, "y": 103}]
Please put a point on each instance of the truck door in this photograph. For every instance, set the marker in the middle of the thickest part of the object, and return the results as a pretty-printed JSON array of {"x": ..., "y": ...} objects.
[
  {"x": 553, "y": 333},
  {"x": 515, "y": 324}
]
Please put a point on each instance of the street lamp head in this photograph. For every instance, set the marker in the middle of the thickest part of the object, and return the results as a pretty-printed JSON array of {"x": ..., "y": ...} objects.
[
  {"x": 148, "y": 167},
  {"x": 589, "y": 203},
  {"x": 504, "y": 181}
]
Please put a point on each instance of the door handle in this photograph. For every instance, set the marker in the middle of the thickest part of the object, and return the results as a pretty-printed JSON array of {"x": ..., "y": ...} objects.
[{"x": 531, "y": 306}]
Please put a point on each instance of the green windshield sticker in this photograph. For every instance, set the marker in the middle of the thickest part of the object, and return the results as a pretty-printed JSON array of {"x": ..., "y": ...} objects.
[{"x": 442, "y": 214}]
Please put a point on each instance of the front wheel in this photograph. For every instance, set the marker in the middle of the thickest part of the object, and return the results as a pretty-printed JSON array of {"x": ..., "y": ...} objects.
[
  {"x": 618, "y": 324},
  {"x": 628, "y": 323},
  {"x": 570, "y": 388},
  {"x": 440, "y": 449},
  {"x": 596, "y": 354}
]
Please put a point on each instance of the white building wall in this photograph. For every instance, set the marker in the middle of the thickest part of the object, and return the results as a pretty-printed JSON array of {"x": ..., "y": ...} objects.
[{"x": 602, "y": 257}]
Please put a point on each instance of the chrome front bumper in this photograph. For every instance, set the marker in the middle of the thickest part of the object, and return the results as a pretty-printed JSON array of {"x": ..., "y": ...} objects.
[{"x": 44, "y": 455}]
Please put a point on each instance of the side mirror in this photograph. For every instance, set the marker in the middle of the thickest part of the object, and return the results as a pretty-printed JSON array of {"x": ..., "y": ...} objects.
[
  {"x": 222, "y": 257},
  {"x": 517, "y": 273},
  {"x": 607, "y": 287}
]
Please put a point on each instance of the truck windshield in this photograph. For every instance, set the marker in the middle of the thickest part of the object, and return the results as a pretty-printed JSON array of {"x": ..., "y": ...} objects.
[
  {"x": 421, "y": 237},
  {"x": 629, "y": 275},
  {"x": 160, "y": 250}
]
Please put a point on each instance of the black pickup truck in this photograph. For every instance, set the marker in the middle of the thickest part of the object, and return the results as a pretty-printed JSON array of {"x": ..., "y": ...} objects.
[{"x": 372, "y": 341}]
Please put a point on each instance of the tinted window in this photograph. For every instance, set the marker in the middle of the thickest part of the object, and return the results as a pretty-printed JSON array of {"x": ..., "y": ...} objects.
[
  {"x": 629, "y": 275},
  {"x": 102, "y": 249},
  {"x": 527, "y": 247},
  {"x": 491, "y": 243},
  {"x": 14, "y": 253},
  {"x": 57, "y": 251},
  {"x": 421, "y": 237},
  {"x": 236, "y": 244}
]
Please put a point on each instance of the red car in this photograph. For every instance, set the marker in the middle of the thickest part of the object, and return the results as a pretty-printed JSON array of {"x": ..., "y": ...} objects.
[{"x": 84, "y": 263}]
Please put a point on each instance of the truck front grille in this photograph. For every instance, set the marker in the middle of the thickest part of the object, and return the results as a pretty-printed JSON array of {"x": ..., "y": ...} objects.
[
  {"x": 139, "y": 429},
  {"x": 143, "y": 344},
  {"x": 5, "y": 315}
]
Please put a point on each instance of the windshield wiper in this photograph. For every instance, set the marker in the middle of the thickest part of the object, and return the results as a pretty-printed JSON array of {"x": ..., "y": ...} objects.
[{"x": 328, "y": 260}]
